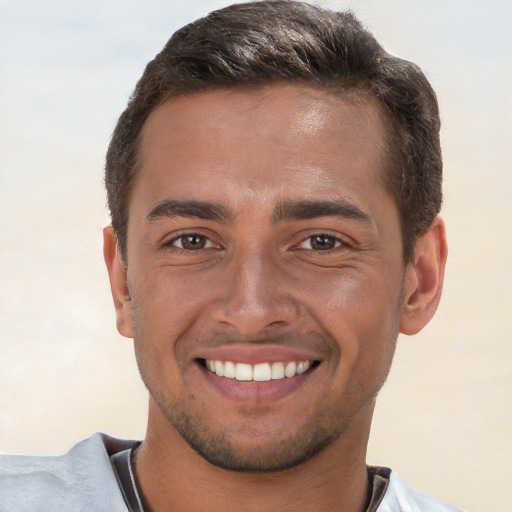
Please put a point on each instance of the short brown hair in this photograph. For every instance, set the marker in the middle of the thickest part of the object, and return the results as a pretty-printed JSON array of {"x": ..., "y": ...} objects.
[{"x": 260, "y": 43}]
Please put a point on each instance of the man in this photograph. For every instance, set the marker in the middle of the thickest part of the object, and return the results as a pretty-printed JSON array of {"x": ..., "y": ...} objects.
[{"x": 274, "y": 185}]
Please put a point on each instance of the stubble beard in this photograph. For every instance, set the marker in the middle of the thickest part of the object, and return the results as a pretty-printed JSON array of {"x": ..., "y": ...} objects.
[
  {"x": 278, "y": 453},
  {"x": 281, "y": 449}
]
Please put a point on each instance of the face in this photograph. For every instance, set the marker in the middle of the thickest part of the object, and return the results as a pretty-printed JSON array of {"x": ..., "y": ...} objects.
[{"x": 264, "y": 270}]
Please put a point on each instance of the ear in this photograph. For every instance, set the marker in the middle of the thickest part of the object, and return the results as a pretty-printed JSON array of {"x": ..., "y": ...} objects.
[
  {"x": 118, "y": 283},
  {"x": 424, "y": 279}
]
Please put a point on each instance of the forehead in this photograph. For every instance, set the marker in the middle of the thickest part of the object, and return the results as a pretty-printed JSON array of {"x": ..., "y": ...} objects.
[{"x": 292, "y": 140}]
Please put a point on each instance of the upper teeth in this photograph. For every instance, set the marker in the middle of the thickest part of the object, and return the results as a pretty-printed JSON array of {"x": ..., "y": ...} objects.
[{"x": 258, "y": 372}]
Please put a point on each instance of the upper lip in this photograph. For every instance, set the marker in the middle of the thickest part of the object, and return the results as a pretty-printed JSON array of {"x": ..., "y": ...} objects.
[{"x": 256, "y": 353}]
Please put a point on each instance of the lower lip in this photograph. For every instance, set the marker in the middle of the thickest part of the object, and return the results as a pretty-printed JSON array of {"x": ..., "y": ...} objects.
[{"x": 256, "y": 393}]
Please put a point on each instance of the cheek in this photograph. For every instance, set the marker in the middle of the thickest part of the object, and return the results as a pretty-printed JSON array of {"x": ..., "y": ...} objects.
[
  {"x": 353, "y": 297},
  {"x": 171, "y": 312},
  {"x": 169, "y": 298},
  {"x": 360, "y": 312}
]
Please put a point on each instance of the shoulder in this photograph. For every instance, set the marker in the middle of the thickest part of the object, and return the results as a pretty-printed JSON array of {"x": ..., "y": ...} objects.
[
  {"x": 400, "y": 497},
  {"x": 80, "y": 480}
]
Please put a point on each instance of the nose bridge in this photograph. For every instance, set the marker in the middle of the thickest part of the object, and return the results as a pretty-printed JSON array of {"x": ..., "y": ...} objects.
[{"x": 255, "y": 295}]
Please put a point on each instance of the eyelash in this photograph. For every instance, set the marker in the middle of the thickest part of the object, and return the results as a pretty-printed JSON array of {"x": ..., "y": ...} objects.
[
  {"x": 339, "y": 243},
  {"x": 209, "y": 244}
]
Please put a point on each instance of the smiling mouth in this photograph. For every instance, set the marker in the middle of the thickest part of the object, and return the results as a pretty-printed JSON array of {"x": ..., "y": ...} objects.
[{"x": 261, "y": 372}]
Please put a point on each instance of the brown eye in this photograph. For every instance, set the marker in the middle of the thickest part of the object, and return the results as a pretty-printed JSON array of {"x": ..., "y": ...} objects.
[
  {"x": 320, "y": 243},
  {"x": 192, "y": 242}
]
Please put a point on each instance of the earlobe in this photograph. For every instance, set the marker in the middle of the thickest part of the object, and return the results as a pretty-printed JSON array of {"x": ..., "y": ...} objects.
[
  {"x": 424, "y": 279},
  {"x": 118, "y": 283}
]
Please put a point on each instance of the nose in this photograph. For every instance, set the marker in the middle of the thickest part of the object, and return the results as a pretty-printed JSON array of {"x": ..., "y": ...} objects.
[{"x": 254, "y": 296}]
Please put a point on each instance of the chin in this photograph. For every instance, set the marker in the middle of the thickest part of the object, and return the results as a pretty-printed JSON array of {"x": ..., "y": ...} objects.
[
  {"x": 268, "y": 458},
  {"x": 232, "y": 451}
]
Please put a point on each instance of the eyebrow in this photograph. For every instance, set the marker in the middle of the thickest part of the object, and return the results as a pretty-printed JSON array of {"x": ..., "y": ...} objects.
[
  {"x": 289, "y": 210},
  {"x": 304, "y": 210},
  {"x": 199, "y": 209}
]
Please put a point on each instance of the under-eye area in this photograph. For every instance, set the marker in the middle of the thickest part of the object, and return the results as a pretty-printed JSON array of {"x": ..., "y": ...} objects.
[{"x": 260, "y": 372}]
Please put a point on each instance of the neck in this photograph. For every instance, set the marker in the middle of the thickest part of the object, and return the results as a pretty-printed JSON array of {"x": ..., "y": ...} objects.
[{"x": 173, "y": 477}]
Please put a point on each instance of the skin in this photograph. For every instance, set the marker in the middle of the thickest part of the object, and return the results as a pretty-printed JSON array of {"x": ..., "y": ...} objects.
[{"x": 266, "y": 273}]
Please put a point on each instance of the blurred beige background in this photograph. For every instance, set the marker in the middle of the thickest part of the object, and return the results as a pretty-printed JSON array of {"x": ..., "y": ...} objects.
[{"x": 444, "y": 419}]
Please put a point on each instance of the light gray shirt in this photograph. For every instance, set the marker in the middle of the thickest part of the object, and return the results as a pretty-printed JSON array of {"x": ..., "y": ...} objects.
[{"x": 83, "y": 480}]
